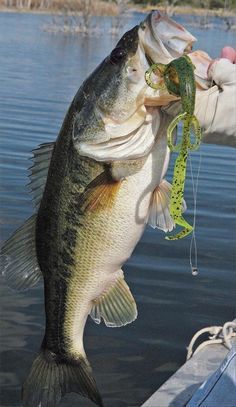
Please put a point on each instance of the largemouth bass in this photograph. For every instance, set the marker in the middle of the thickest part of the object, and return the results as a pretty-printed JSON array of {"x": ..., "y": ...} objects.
[{"x": 95, "y": 189}]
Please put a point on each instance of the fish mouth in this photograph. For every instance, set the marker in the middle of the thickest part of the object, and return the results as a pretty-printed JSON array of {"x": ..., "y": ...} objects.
[{"x": 163, "y": 39}]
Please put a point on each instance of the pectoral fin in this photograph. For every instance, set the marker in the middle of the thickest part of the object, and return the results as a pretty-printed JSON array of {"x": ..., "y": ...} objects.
[
  {"x": 116, "y": 306},
  {"x": 18, "y": 257},
  {"x": 100, "y": 193},
  {"x": 159, "y": 214}
]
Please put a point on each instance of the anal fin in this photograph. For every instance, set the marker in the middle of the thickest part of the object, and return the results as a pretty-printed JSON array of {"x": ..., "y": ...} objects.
[
  {"x": 116, "y": 306},
  {"x": 159, "y": 213}
]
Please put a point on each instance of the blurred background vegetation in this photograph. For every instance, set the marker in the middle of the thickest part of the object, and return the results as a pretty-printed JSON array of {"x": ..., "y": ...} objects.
[
  {"x": 75, "y": 16},
  {"x": 211, "y": 4},
  {"x": 110, "y": 7}
]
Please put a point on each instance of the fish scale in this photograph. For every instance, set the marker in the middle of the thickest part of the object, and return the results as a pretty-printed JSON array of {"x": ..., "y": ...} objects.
[{"x": 92, "y": 271}]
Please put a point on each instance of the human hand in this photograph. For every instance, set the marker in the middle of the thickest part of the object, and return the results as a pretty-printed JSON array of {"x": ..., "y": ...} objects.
[
  {"x": 215, "y": 108},
  {"x": 229, "y": 53}
]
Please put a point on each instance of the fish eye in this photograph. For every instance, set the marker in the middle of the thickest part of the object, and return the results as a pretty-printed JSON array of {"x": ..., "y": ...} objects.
[{"x": 117, "y": 55}]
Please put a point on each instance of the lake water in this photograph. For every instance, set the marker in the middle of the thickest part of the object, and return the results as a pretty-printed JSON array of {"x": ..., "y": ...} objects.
[{"x": 40, "y": 73}]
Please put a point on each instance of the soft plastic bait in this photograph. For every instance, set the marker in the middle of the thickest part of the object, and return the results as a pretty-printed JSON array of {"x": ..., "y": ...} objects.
[{"x": 178, "y": 78}]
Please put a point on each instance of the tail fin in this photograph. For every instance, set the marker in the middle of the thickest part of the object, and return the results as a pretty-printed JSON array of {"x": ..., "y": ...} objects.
[{"x": 50, "y": 379}]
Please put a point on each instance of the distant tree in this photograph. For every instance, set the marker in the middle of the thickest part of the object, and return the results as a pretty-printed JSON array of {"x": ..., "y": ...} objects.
[
  {"x": 170, "y": 6},
  {"x": 217, "y": 3}
]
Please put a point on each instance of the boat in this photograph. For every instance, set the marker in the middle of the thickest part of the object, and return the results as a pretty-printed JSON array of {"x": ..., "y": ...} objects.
[{"x": 208, "y": 378}]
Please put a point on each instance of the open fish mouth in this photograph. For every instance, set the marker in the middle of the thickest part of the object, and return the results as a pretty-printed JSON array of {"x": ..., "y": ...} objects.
[
  {"x": 163, "y": 39},
  {"x": 160, "y": 41}
]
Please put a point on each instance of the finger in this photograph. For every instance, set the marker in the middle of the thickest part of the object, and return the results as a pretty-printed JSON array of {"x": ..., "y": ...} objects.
[
  {"x": 229, "y": 53},
  {"x": 210, "y": 68}
]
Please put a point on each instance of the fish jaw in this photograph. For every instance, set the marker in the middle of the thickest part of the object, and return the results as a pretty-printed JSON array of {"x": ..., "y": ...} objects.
[
  {"x": 163, "y": 39},
  {"x": 201, "y": 60}
]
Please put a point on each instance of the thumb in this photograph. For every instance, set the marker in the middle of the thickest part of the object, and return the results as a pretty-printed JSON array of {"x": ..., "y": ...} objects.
[{"x": 228, "y": 53}]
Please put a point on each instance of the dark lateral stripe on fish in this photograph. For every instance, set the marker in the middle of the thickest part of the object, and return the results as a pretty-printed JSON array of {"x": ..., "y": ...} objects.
[{"x": 56, "y": 291}]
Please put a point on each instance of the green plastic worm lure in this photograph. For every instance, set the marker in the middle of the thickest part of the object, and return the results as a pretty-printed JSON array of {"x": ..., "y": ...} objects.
[{"x": 178, "y": 78}]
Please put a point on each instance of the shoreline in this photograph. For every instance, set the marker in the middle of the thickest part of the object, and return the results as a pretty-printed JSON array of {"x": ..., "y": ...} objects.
[
  {"x": 184, "y": 10},
  {"x": 188, "y": 10}
]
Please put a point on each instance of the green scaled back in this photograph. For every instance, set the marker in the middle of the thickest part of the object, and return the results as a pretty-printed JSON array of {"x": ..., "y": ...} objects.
[{"x": 178, "y": 77}]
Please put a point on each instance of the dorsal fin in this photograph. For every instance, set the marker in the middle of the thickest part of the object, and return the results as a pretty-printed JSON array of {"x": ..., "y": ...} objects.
[
  {"x": 18, "y": 257},
  {"x": 39, "y": 171}
]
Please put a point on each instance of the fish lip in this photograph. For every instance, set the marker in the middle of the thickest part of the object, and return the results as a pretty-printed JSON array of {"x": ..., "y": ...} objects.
[
  {"x": 149, "y": 59},
  {"x": 177, "y": 33},
  {"x": 151, "y": 16}
]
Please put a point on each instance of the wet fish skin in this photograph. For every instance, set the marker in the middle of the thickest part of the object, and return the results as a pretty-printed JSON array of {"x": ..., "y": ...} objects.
[
  {"x": 106, "y": 91},
  {"x": 70, "y": 279}
]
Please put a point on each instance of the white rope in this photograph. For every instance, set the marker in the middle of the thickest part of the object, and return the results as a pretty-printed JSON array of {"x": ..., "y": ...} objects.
[{"x": 217, "y": 334}]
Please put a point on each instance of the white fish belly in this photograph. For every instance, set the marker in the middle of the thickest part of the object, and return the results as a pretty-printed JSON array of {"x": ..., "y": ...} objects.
[
  {"x": 108, "y": 240},
  {"x": 130, "y": 213},
  {"x": 111, "y": 235}
]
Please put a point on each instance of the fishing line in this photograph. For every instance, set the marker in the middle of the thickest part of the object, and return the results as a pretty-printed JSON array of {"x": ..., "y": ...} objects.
[{"x": 193, "y": 252}]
